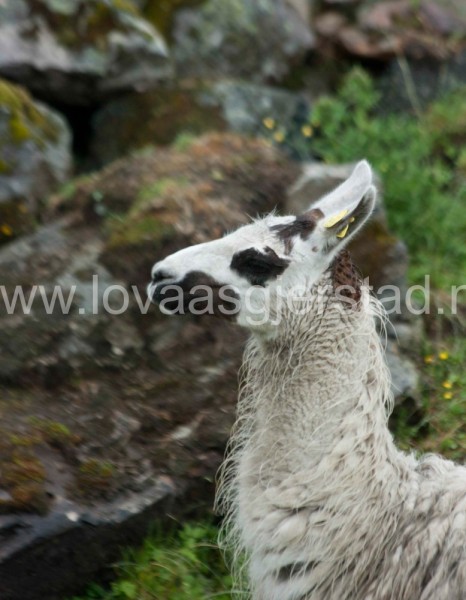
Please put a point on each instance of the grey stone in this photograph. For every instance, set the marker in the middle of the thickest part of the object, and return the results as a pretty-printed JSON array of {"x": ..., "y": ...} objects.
[
  {"x": 405, "y": 377},
  {"x": 257, "y": 40},
  {"x": 79, "y": 51},
  {"x": 409, "y": 85}
]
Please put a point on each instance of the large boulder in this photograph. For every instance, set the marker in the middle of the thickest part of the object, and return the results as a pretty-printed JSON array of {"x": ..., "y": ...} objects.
[
  {"x": 133, "y": 121},
  {"x": 388, "y": 29},
  {"x": 35, "y": 158},
  {"x": 258, "y": 40},
  {"x": 79, "y": 51},
  {"x": 113, "y": 414},
  {"x": 429, "y": 80}
]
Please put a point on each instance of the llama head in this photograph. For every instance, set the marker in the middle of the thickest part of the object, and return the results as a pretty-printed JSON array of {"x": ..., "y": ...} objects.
[{"x": 243, "y": 275}]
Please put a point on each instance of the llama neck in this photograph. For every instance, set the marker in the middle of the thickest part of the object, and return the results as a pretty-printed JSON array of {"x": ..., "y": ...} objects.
[
  {"x": 317, "y": 394},
  {"x": 312, "y": 447}
]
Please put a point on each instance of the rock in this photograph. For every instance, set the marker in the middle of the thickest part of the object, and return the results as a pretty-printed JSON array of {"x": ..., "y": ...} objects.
[
  {"x": 414, "y": 84},
  {"x": 256, "y": 40},
  {"x": 195, "y": 108},
  {"x": 161, "y": 13},
  {"x": 383, "y": 259},
  {"x": 111, "y": 415},
  {"x": 35, "y": 158},
  {"x": 389, "y": 29},
  {"x": 405, "y": 377},
  {"x": 77, "y": 51}
]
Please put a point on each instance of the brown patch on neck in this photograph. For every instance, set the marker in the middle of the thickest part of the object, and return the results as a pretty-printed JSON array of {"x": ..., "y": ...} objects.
[
  {"x": 346, "y": 279},
  {"x": 303, "y": 226}
]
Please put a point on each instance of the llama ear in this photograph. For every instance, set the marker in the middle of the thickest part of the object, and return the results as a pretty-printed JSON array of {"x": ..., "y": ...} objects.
[
  {"x": 347, "y": 208},
  {"x": 349, "y": 192}
]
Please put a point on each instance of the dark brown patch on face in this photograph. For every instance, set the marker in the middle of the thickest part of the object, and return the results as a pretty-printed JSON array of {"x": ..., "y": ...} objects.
[
  {"x": 225, "y": 305},
  {"x": 258, "y": 267},
  {"x": 346, "y": 279},
  {"x": 303, "y": 226}
]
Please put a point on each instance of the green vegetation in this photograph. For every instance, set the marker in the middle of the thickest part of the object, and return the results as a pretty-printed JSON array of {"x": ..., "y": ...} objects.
[
  {"x": 441, "y": 424},
  {"x": 180, "y": 566},
  {"x": 417, "y": 157},
  {"x": 156, "y": 189},
  {"x": 134, "y": 231}
]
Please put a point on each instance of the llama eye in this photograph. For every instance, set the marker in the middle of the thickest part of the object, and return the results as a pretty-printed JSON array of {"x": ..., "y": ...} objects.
[{"x": 258, "y": 267}]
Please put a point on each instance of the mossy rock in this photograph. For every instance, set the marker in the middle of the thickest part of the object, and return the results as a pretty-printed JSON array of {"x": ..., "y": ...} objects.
[
  {"x": 34, "y": 157},
  {"x": 188, "y": 109},
  {"x": 134, "y": 121},
  {"x": 159, "y": 199},
  {"x": 81, "y": 24},
  {"x": 16, "y": 218},
  {"x": 161, "y": 12},
  {"x": 95, "y": 478},
  {"x": 93, "y": 48},
  {"x": 249, "y": 39},
  {"x": 25, "y": 119},
  {"x": 23, "y": 479}
]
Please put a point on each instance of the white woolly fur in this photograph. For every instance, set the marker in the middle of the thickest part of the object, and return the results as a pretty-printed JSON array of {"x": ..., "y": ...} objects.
[{"x": 319, "y": 502}]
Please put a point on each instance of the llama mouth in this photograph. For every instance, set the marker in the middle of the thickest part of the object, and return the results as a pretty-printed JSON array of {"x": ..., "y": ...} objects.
[{"x": 197, "y": 293}]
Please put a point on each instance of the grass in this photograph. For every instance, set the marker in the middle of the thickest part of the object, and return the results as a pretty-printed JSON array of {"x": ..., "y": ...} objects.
[
  {"x": 422, "y": 160},
  {"x": 184, "y": 565}
]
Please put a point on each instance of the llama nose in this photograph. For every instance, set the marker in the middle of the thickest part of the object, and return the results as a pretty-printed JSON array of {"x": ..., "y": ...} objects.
[
  {"x": 159, "y": 276},
  {"x": 157, "y": 289}
]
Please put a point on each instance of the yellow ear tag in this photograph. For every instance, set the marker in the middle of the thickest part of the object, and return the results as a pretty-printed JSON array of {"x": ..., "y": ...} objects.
[
  {"x": 336, "y": 219},
  {"x": 343, "y": 232}
]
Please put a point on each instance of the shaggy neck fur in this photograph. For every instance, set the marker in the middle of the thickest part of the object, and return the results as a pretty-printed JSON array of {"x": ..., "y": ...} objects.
[{"x": 314, "y": 490}]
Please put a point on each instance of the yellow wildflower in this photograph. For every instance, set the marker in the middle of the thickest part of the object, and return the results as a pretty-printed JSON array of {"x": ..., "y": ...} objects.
[
  {"x": 447, "y": 385},
  {"x": 6, "y": 230},
  {"x": 279, "y": 136},
  {"x": 447, "y": 396},
  {"x": 269, "y": 122},
  {"x": 429, "y": 359},
  {"x": 443, "y": 355},
  {"x": 307, "y": 130}
]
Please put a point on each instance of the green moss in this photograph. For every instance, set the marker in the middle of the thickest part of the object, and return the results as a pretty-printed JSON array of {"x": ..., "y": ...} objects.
[
  {"x": 161, "y": 12},
  {"x": 166, "y": 114},
  {"x": 23, "y": 477},
  {"x": 184, "y": 141},
  {"x": 95, "y": 475},
  {"x": 157, "y": 189},
  {"x": 88, "y": 22},
  {"x": 135, "y": 231},
  {"x": 54, "y": 432},
  {"x": 15, "y": 219},
  {"x": 5, "y": 168},
  {"x": 26, "y": 121}
]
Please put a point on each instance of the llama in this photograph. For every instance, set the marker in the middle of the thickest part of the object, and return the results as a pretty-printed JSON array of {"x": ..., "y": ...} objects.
[{"x": 319, "y": 502}]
